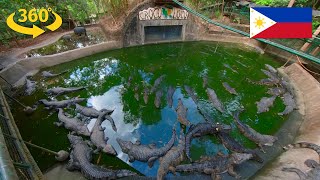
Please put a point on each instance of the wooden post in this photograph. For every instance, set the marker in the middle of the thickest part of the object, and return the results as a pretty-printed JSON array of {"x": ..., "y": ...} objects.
[
  {"x": 307, "y": 44},
  {"x": 291, "y": 3}
]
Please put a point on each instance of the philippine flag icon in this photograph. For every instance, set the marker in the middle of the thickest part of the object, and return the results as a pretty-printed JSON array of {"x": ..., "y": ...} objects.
[{"x": 266, "y": 22}]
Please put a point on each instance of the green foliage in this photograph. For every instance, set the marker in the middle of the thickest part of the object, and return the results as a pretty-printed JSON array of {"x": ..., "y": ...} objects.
[
  {"x": 284, "y": 3},
  {"x": 75, "y": 11},
  {"x": 315, "y": 23}
]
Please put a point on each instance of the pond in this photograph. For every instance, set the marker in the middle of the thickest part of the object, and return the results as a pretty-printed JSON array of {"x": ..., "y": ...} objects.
[
  {"x": 69, "y": 42},
  {"x": 106, "y": 77}
]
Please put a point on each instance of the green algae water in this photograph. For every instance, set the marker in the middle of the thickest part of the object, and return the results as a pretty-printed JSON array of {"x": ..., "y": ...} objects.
[
  {"x": 65, "y": 44},
  {"x": 106, "y": 76}
]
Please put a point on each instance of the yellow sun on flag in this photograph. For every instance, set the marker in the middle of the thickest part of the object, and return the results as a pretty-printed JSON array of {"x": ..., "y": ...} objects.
[{"x": 259, "y": 22}]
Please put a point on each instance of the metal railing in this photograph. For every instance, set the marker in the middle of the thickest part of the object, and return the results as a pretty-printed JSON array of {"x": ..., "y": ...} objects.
[
  {"x": 242, "y": 13},
  {"x": 14, "y": 155}
]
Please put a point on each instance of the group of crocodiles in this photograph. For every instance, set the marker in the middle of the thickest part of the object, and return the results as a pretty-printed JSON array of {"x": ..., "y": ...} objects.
[
  {"x": 314, "y": 173},
  {"x": 81, "y": 153},
  {"x": 277, "y": 87},
  {"x": 170, "y": 156}
]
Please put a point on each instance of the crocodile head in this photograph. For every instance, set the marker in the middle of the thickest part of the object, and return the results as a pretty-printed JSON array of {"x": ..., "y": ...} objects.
[
  {"x": 43, "y": 101},
  {"x": 222, "y": 127},
  {"x": 109, "y": 149},
  {"x": 74, "y": 139},
  {"x": 125, "y": 145},
  {"x": 84, "y": 131},
  {"x": 270, "y": 140},
  {"x": 239, "y": 158}
]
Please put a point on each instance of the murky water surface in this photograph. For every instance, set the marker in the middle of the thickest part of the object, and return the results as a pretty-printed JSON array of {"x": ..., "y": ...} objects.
[
  {"x": 106, "y": 76},
  {"x": 69, "y": 42}
]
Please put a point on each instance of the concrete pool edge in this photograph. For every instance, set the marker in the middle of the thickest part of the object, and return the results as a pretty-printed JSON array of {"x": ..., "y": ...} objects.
[
  {"x": 16, "y": 73},
  {"x": 307, "y": 93}
]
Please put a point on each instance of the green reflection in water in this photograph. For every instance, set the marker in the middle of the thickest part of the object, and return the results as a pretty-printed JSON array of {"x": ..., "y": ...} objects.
[
  {"x": 106, "y": 76},
  {"x": 75, "y": 42}
]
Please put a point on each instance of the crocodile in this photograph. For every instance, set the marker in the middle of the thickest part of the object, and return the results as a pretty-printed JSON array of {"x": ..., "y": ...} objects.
[
  {"x": 229, "y": 67},
  {"x": 235, "y": 146},
  {"x": 61, "y": 104},
  {"x": 157, "y": 99},
  {"x": 182, "y": 113},
  {"x": 72, "y": 124},
  {"x": 265, "y": 103},
  {"x": 205, "y": 81},
  {"x": 136, "y": 92},
  {"x": 271, "y": 69},
  {"x": 81, "y": 157},
  {"x": 91, "y": 112},
  {"x": 129, "y": 81},
  {"x": 60, "y": 90},
  {"x": 110, "y": 119},
  {"x": 30, "y": 87},
  {"x": 253, "y": 135},
  {"x": 145, "y": 153},
  {"x": 157, "y": 82},
  {"x": 48, "y": 74},
  {"x": 271, "y": 75},
  {"x": 266, "y": 81},
  {"x": 229, "y": 88},
  {"x": 276, "y": 91},
  {"x": 191, "y": 93},
  {"x": 170, "y": 93},
  {"x": 98, "y": 138},
  {"x": 314, "y": 173},
  {"x": 215, "y": 101},
  {"x": 216, "y": 165},
  {"x": 288, "y": 100},
  {"x": 285, "y": 85},
  {"x": 145, "y": 95},
  {"x": 202, "y": 129},
  {"x": 172, "y": 158}
]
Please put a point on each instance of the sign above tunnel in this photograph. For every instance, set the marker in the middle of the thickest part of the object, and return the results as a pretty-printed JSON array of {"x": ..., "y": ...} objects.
[{"x": 163, "y": 13}]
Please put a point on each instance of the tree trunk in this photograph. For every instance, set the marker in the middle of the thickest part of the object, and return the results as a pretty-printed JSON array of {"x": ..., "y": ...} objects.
[
  {"x": 316, "y": 5},
  {"x": 291, "y": 3}
]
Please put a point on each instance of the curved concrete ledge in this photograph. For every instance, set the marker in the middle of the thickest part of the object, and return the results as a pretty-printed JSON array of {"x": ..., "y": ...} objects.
[
  {"x": 256, "y": 45},
  {"x": 307, "y": 92},
  {"x": 16, "y": 73}
]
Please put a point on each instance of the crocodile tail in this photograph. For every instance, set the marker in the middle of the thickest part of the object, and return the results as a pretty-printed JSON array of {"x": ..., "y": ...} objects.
[
  {"x": 312, "y": 146},
  {"x": 186, "y": 167},
  {"x": 91, "y": 171},
  {"x": 124, "y": 173},
  {"x": 257, "y": 158},
  {"x": 188, "y": 142}
]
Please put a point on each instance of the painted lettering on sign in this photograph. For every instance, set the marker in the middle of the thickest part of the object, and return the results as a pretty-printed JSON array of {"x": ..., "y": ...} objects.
[{"x": 163, "y": 13}]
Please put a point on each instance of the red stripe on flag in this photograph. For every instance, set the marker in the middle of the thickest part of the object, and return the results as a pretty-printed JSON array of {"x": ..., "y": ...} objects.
[{"x": 287, "y": 30}]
